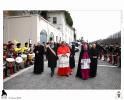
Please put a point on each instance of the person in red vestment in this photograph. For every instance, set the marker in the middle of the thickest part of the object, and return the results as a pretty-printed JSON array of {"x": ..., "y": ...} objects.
[{"x": 63, "y": 53}]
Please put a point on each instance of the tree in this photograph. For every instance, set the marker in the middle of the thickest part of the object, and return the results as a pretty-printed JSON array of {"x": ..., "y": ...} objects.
[
  {"x": 39, "y": 12},
  {"x": 68, "y": 19},
  {"x": 43, "y": 14}
]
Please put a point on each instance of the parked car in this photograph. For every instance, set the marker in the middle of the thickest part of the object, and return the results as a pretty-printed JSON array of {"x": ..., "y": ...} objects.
[{"x": 76, "y": 46}]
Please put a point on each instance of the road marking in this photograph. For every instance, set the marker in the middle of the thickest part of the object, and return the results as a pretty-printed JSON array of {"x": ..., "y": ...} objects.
[
  {"x": 16, "y": 74},
  {"x": 107, "y": 65}
]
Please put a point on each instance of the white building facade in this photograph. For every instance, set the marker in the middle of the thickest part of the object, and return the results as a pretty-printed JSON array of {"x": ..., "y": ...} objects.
[
  {"x": 32, "y": 27},
  {"x": 58, "y": 19}
]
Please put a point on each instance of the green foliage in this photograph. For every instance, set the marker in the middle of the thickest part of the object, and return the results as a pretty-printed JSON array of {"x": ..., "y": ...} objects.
[
  {"x": 68, "y": 18},
  {"x": 43, "y": 14}
]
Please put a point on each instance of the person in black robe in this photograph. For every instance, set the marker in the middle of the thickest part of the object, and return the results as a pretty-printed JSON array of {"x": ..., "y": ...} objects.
[
  {"x": 72, "y": 57},
  {"x": 78, "y": 74},
  {"x": 51, "y": 54},
  {"x": 93, "y": 65},
  {"x": 39, "y": 59},
  {"x": 115, "y": 55},
  {"x": 119, "y": 54}
]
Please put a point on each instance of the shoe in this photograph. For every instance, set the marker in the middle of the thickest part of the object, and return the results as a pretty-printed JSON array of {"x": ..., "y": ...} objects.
[
  {"x": 52, "y": 74},
  {"x": 67, "y": 75}
]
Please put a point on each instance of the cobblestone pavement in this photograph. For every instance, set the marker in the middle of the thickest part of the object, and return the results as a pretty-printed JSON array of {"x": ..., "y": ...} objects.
[{"x": 108, "y": 77}]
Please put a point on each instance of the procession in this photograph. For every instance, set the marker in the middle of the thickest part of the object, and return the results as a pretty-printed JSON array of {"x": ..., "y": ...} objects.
[
  {"x": 55, "y": 49},
  {"x": 60, "y": 56},
  {"x": 61, "y": 49}
]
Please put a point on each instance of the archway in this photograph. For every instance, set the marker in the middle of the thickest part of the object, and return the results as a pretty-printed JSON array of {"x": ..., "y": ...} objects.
[
  {"x": 51, "y": 36},
  {"x": 43, "y": 36}
]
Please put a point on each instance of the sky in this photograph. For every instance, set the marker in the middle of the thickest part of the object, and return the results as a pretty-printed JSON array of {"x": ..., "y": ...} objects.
[{"x": 94, "y": 25}]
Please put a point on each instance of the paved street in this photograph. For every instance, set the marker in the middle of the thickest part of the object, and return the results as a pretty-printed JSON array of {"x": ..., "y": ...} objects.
[{"x": 108, "y": 77}]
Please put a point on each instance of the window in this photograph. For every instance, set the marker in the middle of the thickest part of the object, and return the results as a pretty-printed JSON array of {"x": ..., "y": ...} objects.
[
  {"x": 52, "y": 35},
  {"x": 60, "y": 39},
  {"x": 54, "y": 20},
  {"x": 56, "y": 38}
]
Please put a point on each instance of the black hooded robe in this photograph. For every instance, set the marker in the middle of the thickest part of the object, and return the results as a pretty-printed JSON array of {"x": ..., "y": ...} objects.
[
  {"x": 72, "y": 57},
  {"x": 78, "y": 74},
  {"x": 39, "y": 59},
  {"x": 93, "y": 64}
]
